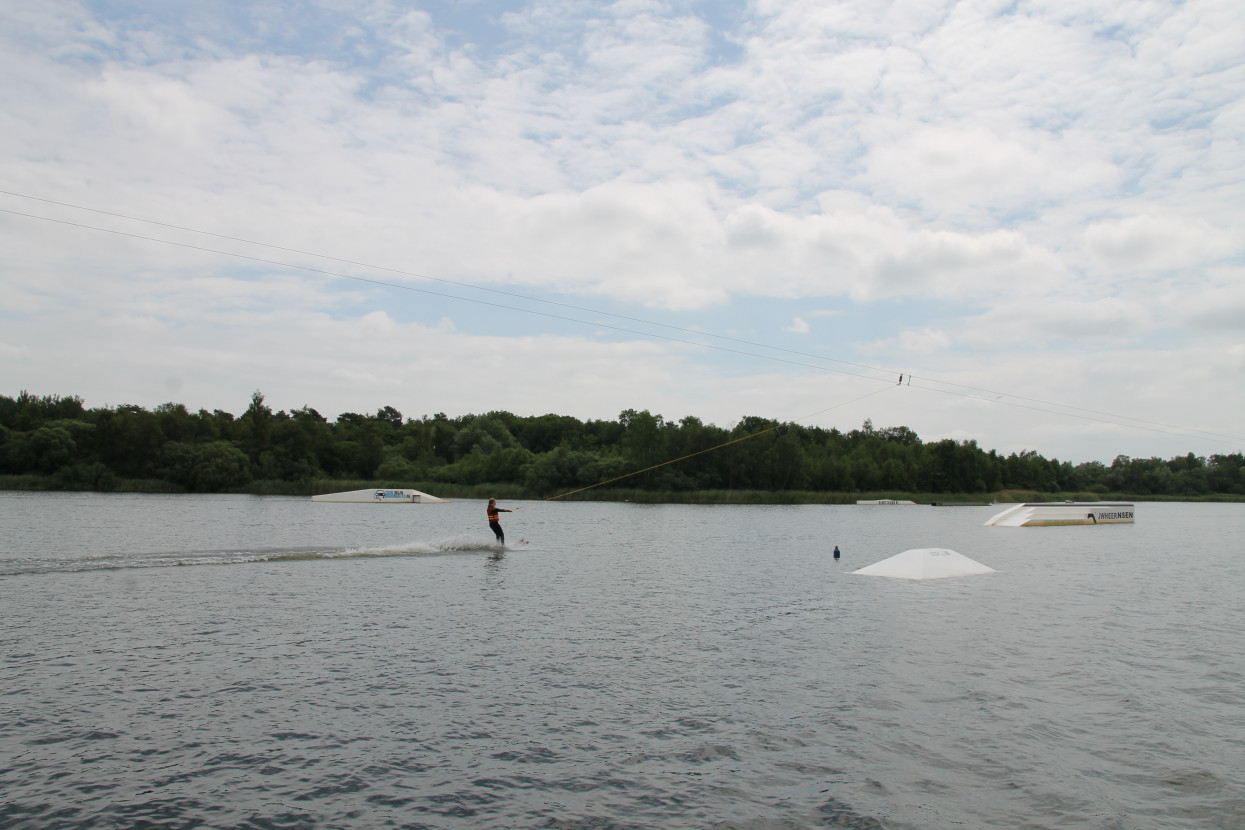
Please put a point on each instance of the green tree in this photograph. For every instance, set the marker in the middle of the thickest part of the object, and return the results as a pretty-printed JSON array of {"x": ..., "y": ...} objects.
[
  {"x": 257, "y": 425},
  {"x": 176, "y": 423},
  {"x": 556, "y": 470},
  {"x": 219, "y": 466},
  {"x": 1226, "y": 473},
  {"x": 129, "y": 440},
  {"x": 52, "y": 448},
  {"x": 205, "y": 468}
]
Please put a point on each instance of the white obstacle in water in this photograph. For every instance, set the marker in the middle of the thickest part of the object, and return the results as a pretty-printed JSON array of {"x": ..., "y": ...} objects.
[
  {"x": 1052, "y": 514},
  {"x": 380, "y": 496},
  {"x": 884, "y": 501},
  {"x": 926, "y": 563}
]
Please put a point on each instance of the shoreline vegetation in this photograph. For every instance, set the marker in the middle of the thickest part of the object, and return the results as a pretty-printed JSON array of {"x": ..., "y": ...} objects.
[
  {"x": 56, "y": 443},
  {"x": 509, "y": 492}
]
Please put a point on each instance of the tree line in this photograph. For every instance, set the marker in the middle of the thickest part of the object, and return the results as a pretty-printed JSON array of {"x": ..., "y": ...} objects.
[{"x": 62, "y": 442}]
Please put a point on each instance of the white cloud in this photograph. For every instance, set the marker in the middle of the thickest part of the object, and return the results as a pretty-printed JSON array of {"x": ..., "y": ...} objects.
[
  {"x": 957, "y": 168},
  {"x": 1149, "y": 243},
  {"x": 1086, "y": 323},
  {"x": 923, "y": 342},
  {"x": 364, "y": 380},
  {"x": 875, "y": 254},
  {"x": 1071, "y": 319},
  {"x": 798, "y": 326},
  {"x": 1209, "y": 307}
]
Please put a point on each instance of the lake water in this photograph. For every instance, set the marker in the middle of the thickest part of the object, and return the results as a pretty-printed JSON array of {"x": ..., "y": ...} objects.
[{"x": 267, "y": 662}]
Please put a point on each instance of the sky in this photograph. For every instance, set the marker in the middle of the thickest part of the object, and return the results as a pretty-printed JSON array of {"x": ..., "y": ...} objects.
[{"x": 1032, "y": 211}]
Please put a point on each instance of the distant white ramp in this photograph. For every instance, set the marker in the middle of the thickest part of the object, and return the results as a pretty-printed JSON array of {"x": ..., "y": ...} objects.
[
  {"x": 926, "y": 563},
  {"x": 380, "y": 496},
  {"x": 1052, "y": 514}
]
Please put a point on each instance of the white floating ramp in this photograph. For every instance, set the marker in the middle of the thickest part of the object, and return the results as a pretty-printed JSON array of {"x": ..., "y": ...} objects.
[
  {"x": 380, "y": 496},
  {"x": 1057, "y": 513},
  {"x": 926, "y": 563}
]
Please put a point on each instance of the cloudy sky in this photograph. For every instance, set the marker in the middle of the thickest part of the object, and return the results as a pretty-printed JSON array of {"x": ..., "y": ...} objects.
[{"x": 1035, "y": 211}]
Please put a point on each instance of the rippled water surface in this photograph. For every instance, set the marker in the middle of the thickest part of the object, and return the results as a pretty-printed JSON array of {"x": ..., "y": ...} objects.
[{"x": 227, "y": 661}]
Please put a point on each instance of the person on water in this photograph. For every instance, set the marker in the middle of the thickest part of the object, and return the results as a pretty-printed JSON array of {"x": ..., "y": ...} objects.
[{"x": 493, "y": 510}]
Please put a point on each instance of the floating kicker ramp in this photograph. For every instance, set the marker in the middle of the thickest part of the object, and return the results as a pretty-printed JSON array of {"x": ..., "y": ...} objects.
[
  {"x": 926, "y": 563},
  {"x": 1053, "y": 514},
  {"x": 380, "y": 496}
]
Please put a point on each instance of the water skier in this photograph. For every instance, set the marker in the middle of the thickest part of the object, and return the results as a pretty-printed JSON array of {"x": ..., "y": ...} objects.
[{"x": 493, "y": 510}]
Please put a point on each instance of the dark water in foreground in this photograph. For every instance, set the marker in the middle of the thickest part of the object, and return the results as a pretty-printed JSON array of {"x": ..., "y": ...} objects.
[{"x": 182, "y": 661}]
